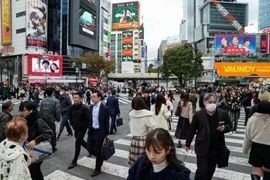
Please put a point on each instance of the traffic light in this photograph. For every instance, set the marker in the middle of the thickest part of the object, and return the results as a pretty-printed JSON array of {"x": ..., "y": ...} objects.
[{"x": 215, "y": 73}]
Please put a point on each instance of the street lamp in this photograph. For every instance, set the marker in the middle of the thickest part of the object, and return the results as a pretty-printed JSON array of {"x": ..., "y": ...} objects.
[
  {"x": 77, "y": 69},
  {"x": 195, "y": 54}
]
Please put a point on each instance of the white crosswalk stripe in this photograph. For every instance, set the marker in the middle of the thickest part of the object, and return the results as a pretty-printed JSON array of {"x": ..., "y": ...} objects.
[
  {"x": 239, "y": 168},
  {"x": 14, "y": 101},
  {"x": 121, "y": 100}
]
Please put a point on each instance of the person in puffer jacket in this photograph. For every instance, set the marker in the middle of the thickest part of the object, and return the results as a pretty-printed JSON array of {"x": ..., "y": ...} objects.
[{"x": 14, "y": 161}]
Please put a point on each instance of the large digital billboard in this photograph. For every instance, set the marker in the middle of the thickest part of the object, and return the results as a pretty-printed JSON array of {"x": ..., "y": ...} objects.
[
  {"x": 87, "y": 22},
  {"x": 235, "y": 44},
  {"x": 127, "y": 46},
  {"x": 36, "y": 24},
  {"x": 174, "y": 40},
  {"x": 40, "y": 65},
  {"x": 6, "y": 22},
  {"x": 126, "y": 15}
]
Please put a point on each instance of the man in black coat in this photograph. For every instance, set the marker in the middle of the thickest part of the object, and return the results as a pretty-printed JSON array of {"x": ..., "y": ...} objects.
[
  {"x": 79, "y": 118},
  {"x": 98, "y": 130},
  {"x": 114, "y": 110},
  {"x": 5, "y": 117},
  {"x": 209, "y": 124}
]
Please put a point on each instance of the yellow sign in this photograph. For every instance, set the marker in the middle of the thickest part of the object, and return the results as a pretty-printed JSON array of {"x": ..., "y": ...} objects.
[{"x": 6, "y": 25}]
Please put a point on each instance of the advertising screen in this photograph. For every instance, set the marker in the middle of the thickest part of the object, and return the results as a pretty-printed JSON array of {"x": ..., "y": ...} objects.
[
  {"x": 265, "y": 43},
  {"x": 235, "y": 44},
  {"x": 174, "y": 39},
  {"x": 127, "y": 46},
  {"x": 243, "y": 69},
  {"x": 36, "y": 24},
  {"x": 87, "y": 23},
  {"x": 5, "y": 22},
  {"x": 126, "y": 15},
  {"x": 40, "y": 65}
]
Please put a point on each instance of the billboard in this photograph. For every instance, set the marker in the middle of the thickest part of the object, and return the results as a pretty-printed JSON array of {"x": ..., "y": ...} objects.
[
  {"x": 87, "y": 22},
  {"x": 127, "y": 46},
  {"x": 126, "y": 15},
  {"x": 6, "y": 22},
  {"x": 242, "y": 69},
  {"x": 174, "y": 40},
  {"x": 40, "y": 65},
  {"x": 36, "y": 24},
  {"x": 235, "y": 44},
  {"x": 265, "y": 43}
]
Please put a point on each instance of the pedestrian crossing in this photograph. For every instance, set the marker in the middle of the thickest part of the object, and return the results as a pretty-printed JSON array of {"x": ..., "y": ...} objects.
[
  {"x": 239, "y": 167},
  {"x": 122, "y": 100},
  {"x": 14, "y": 101}
]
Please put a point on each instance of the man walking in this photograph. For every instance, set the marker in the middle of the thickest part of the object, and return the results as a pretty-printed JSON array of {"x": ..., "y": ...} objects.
[
  {"x": 114, "y": 110},
  {"x": 209, "y": 124},
  {"x": 98, "y": 130},
  {"x": 79, "y": 119},
  {"x": 50, "y": 110},
  {"x": 65, "y": 103},
  {"x": 5, "y": 117}
]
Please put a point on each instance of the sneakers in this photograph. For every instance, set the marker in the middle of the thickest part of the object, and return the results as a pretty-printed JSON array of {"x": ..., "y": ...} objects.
[{"x": 69, "y": 135}]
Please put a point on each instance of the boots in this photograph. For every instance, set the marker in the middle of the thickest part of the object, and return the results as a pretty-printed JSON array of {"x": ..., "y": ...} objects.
[
  {"x": 255, "y": 177},
  {"x": 266, "y": 175},
  {"x": 179, "y": 145}
]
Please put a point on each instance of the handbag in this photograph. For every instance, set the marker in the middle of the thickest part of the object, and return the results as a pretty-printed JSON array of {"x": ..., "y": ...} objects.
[
  {"x": 40, "y": 152},
  {"x": 224, "y": 158},
  {"x": 119, "y": 121},
  {"x": 107, "y": 149}
]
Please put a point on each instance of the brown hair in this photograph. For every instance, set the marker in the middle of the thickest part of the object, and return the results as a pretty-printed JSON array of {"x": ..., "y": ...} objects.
[
  {"x": 15, "y": 128},
  {"x": 138, "y": 104}
]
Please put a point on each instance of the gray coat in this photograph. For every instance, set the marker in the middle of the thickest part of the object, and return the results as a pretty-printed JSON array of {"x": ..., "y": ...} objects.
[{"x": 50, "y": 108}]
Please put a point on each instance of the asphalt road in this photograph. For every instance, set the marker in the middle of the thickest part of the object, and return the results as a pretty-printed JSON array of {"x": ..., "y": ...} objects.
[{"x": 116, "y": 168}]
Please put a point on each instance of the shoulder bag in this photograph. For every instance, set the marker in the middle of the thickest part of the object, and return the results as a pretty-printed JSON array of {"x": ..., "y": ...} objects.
[{"x": 107, "y": 149}]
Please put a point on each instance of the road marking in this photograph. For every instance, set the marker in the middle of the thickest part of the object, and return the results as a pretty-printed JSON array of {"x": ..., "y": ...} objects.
[
  {"x": 123, "y": 99},
  {"x": 60, "y": 175},
  {"x": 107, "y": 167}
]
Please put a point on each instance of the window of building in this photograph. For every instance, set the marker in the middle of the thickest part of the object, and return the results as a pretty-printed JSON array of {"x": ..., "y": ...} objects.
[
  {"x": 21, "y": 14},
  {"x": 22, "y": 30}
]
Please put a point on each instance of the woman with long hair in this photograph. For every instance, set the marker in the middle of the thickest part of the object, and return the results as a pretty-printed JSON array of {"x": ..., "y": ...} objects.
[
  {"x": 223, "y": 102},
  {"x": 193, "y": 98},
  {"x": 159, "y": 161},
  {"x": 140, "y": 124},
  {"x": 257, "y": 139},
  {"x": 185, "y": 118},
  {"x": 235, "y": 107},
  {"x": 161, "y": 112}
]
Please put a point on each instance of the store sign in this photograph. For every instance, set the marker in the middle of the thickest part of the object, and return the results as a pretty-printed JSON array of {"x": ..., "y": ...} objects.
[
  {"x": 6, "y": 22},
  {"x": 6, "y": 50}
]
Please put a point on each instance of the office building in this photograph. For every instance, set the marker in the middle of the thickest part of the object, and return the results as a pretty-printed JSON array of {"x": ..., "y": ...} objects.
[{"x": 264, "y": 14}]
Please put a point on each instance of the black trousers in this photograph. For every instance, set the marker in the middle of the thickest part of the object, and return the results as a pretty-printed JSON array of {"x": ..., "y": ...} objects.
[
  {"x": 79, "y": 135},
  {"x": 51, "y": 124},
  {"x": 206, "y": 165},
  {"x": 247, "y": 110},
  {"x": 95, "y": 142},
  {"x": 35, "y": 171},
  {"x": 113, "y": 125}
]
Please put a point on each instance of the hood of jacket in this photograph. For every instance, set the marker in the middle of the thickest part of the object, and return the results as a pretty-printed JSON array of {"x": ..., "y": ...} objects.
[
  {"x": 11, "y": 150},
  {"x": 140, "y": 113},
  {"x": 261, "y": 117}
]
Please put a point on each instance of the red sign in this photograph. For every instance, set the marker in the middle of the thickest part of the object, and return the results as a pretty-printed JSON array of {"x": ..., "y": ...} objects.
[
  {"x": 50, "y": 65},
  {"x": 7, "y": 50}
]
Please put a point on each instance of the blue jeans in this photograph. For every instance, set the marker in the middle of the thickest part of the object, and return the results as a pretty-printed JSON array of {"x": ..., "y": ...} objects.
[{"x": 64, "y": 123}]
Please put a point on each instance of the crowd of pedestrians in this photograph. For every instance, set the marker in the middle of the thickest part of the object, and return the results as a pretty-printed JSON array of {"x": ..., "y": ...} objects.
[{"x": 207, "y": 113}]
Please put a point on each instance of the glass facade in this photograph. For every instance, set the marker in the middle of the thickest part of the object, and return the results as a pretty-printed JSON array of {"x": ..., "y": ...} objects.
[
  {"x": 264, "y": 14},
  {"x": 116, "y": 50},
  {"x": 191, "y": 20}
]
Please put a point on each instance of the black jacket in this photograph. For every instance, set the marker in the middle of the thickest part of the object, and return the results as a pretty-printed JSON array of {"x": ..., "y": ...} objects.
[
  {"x": 5, "y": 117},
  {"x": 143, "y": 170},
  {"x": 79, "y": 116},
  {"x": 50, "y": 108},
  {"x": 65, "y": 103},
  {"x": 38, "y": 129},
  {"x": 103, "y": 120},
  {"x": 113, "y": 105},
  {"x": 200, "y": 126}
]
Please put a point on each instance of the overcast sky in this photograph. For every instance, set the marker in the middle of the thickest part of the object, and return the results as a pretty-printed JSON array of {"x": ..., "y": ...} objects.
[{"x": 162, "y": 19}]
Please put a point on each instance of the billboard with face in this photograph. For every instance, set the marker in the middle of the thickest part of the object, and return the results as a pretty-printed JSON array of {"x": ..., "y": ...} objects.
[
  {"x": 36, "y": 24},
  {"x": 235, "y": 44},
  {"x": 87, "y": 23},
  {"x": 6, "y": 22},
  {"x": 40, "y": 65},
  {"x": 126, "y": 15}
]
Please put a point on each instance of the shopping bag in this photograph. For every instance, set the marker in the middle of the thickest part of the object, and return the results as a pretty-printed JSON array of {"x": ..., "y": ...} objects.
[
  {"x": 40, "y": 152},
  {"x": 107, "y": 148},
  {"x": 119, "y": 121}
]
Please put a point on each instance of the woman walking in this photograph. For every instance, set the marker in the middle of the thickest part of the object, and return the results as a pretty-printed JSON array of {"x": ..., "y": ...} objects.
[
  {"x": 140, "y": 124},
  {"x": 235, "y": 104},
  {"x": 184, "y": 111},
  {"x": 160, "y": 112},
  {"x": 257, "y": 139}
]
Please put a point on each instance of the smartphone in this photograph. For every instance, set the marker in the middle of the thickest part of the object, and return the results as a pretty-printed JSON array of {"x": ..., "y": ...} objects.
[{"x": 221, "y": 123}]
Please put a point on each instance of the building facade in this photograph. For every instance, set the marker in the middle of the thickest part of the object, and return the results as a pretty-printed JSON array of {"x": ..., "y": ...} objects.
[{"x": 264, "y": 14}]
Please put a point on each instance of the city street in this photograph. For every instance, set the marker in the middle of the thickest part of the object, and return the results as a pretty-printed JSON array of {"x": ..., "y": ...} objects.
[{"x": 117, "y": 167}]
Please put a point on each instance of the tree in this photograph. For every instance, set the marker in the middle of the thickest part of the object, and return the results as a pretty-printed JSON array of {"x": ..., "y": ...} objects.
[
  {"x": 180, "y": 62},
  {"x": 96, "y": 65}
]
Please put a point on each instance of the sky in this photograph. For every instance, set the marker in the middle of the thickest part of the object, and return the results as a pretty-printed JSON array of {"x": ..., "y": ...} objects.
[{"x": 162, "y": 19}]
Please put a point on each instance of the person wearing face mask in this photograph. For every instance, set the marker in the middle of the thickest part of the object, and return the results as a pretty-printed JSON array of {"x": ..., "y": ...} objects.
[
  {"x": 209, "y": 124},
  {"x": 65, "y": 103}
]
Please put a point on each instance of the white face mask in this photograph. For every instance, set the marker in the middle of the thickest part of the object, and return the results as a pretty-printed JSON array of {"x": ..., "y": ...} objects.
[
  {"x": 61, "y": 93},
  {"x": 210, "y": 107}
]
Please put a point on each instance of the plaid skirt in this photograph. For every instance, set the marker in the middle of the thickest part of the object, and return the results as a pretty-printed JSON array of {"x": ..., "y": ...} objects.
[{"x": 137, "y": 147}]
